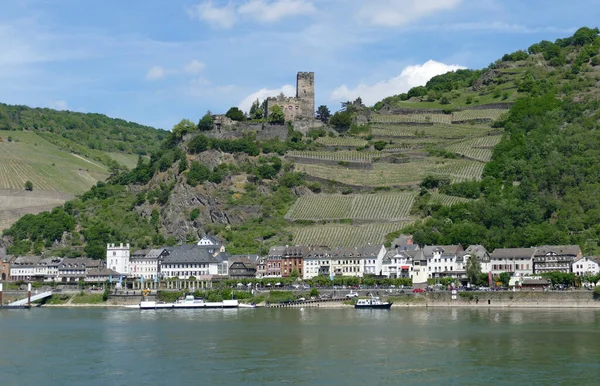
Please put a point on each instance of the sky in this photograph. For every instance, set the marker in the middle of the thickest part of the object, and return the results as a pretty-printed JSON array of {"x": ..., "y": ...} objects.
[{"x": 156, "y": 62}]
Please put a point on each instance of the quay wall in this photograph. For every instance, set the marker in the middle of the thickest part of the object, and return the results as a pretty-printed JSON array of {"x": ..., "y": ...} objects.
[{"x": 508, "y": 299}]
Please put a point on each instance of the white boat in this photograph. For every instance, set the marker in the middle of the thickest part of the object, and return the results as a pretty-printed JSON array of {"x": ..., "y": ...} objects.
[
  {"x": 373, "y": 303},
  {"x": 188, "y": 302}
]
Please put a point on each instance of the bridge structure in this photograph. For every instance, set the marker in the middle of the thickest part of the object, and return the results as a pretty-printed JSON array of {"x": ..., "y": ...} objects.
[{"x": 27, "y": 300}]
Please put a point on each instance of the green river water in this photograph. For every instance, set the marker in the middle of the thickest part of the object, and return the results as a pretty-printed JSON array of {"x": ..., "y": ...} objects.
[{"x": 96, "y": 346}]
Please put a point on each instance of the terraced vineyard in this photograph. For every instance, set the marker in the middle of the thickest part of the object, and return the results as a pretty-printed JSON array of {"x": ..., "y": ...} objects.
[
  {"x": 391, "y": 131},
  {"x": 380, "y": 207},
  {"x": 412, "y": 118},
  {"x": 345, "y": 235},
  {"x": 448, "y": 200},
  {"x": 461, "y": 171},
  {"x": 403, "y": 174},
  {"x": 478, "y": 148},
  {"x": 344, "y": 155},
  {"x": 341, "y": 142},
  {"x": 481, "y": 114}
]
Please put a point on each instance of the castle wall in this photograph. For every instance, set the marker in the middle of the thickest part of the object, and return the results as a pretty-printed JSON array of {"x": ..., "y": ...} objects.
[{"x": 302, "y": 106}]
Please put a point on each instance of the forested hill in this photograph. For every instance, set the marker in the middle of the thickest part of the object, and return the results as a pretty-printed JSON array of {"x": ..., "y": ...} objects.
[
  {"x": 82, "y": 130},
  {"x": 448, "y": 158}
]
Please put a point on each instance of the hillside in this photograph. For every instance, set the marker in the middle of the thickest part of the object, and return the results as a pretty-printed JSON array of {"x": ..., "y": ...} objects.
[
  {"x": 63, "y": 154},
  {"x": 504, "y": 156}
]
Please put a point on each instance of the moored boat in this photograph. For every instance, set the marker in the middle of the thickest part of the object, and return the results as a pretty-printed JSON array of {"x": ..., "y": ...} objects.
[
  {"x": 189, "y": 302},
  {"x": 373, "y": 303}
]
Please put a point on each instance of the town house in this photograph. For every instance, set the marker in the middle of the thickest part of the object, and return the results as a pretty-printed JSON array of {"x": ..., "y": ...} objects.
[
  {"x": 442, "y": 260},
  {"x": 559, "y": 258},
  {"x": 357, "y": 261},
  {"x": 317, "y": 262},
  {"x": 586, "y": 266},
  {"x": 480, "y": 253},
  {"x": 146, "y": 263},
  {"x": 516, "y": 261},
  {"x": 189, "y": 260}
]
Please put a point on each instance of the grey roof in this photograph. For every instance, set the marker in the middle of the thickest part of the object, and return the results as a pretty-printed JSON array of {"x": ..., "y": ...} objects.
[
  {"x": 243, "y": 259},
  {"x": 212, "y": 239},
  {"x": 27, "y": 260},
  {"x": 558, "y": 249},
  {"x": 445, "y": 250},
  {"x": 79, "y": 262},
  {"x": 187, "y": 254},
  {"x": 366, "y": 251},
  {"x": 479, "y": 251},
  {"x": 50, "y": 261},
  {"x": 587, "y": 258},
  {"x": 139, "y": 253},
  {"x": 402, "y": 241},
  {"x": 148, "y": 253},
  {"x": 102, "y": 272},
  {"x": 505, "y": 253}
]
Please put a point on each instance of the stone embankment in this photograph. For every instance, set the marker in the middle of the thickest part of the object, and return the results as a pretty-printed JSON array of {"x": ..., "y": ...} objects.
[{"x": 507, "y": 299}]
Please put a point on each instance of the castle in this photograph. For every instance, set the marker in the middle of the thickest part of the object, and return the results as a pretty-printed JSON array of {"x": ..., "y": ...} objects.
[{"x": 302, "y": 106}]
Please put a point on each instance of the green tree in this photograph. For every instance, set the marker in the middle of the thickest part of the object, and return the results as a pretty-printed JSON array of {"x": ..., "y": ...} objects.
[
  {"x": 341, "y": 120},
  {"x": 235, "y": 114},
  {"x": 256, "y": 111},
  {"x": 28, "y": 185},
  {"x": 276, "y": 115},
  {"x": 473, "y": 269},
  {"x": 505, "y": 278},
  {"x": 184, "y": 127},
  {"x": 206, "y": 122},
  {"x": 323, "y": 113}
]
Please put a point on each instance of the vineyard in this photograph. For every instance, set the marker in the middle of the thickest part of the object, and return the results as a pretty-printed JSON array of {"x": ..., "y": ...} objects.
[
  {"x": 341, "y": 142},
  {"x": 461, "y": 171},
  {"x": 478, "y": 148},
  {"x": 423, "y": 132},
  {"x": 384, "y": 207},
  {"x": 31, "y": 158},
  {"x": 412, "y": 118},
  {"x": 345, "y": 235},
  {"x": 483, "y": 114},
  {"x": 402, "y": 174},
  {"x": 448, "y": 200},
  {"x": 344, "y": 155}
]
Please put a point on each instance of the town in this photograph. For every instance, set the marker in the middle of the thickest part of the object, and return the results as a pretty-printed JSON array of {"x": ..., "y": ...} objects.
[{"x": 208, "y": 261}]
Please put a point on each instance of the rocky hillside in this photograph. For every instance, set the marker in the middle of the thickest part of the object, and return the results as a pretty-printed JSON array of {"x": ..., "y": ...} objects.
[{"x": 504, "y": 156}]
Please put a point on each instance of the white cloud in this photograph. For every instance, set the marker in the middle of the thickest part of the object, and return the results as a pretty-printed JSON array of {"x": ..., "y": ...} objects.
[
  {"x": 394, "y": 13},
  {"x": 194, "y": 67},
  {"x": 155, "y": 73},
  {"x": 58, "y": 105},
  {"x": 224, "y": 17},
  {"x": 265, "y": 11},
  {"x": 411, "y": 76},
  {"x": 263, "y": 93},
  {"x": 257, "y": 10}
]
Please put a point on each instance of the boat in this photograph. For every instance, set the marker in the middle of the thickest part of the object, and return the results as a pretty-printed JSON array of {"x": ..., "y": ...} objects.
[
  {"x": 188, "y": 302},
  {"x": 373, "y": 303}
]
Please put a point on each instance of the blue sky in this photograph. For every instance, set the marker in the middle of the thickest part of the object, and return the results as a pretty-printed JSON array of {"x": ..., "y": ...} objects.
[{"x": 158, "y": 61}]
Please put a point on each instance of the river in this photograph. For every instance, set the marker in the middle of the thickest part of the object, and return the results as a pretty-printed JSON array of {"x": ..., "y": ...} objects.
[{"x": 97, "y": 346}]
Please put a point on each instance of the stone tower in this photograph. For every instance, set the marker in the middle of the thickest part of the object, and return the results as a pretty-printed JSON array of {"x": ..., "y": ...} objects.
[
  {"x": 117, "y": 258},
  {"x": 305, "y": 92}
]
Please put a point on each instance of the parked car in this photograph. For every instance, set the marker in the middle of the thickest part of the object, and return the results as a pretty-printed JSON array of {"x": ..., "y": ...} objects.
[
  {"x": 301, "y": 299},
  {"x": 418, "y": 290},
  {"x": 351, "y": 295}
]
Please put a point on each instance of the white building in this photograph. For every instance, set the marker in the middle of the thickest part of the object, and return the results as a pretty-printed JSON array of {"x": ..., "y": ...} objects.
[
  {"x": 24, "y": 268},
  {"x": 398, "y": 263},
  {"x": 317, "y": 263},
  {"x": 586, "y": 266},
  {"x": 479, "y": 252},
  {"x": 146, "y": 263},
  {"x": 189, "y": 260},
  {"x": 357, "y": 261},
  {"x": 420, "y": 272},
  {"x": 117, "y": 258},
  {"x": 516, "y": 261},
  {"x": 442, "y": 261}
]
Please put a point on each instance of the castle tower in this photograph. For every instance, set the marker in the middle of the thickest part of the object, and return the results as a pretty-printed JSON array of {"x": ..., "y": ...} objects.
[
  {"x": 305, "y": 93},
  {"x": 117, "y": 258}
]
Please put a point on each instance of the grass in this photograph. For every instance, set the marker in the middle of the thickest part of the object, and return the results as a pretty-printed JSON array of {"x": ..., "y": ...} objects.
[
  {"x": 129, "y": 160},
  {"x": 83, "y": 298}
]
